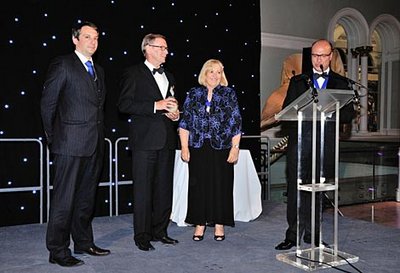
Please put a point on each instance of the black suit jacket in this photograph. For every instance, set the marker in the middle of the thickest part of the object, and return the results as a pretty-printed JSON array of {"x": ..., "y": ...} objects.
[
  {"x": 297, "y": 86},
  {"x": 139, "y": 91},
  {"x": 72, "y": 107}
]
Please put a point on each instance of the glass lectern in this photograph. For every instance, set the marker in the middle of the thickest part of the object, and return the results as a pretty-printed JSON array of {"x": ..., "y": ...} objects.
[{"x": 317, "y": 108}]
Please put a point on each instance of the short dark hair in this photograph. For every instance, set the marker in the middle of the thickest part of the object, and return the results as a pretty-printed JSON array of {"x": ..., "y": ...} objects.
[{"x": 76, "y": 29}]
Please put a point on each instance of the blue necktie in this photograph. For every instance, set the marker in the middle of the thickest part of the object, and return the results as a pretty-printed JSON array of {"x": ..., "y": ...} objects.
[{"x": 90, "y": 68}]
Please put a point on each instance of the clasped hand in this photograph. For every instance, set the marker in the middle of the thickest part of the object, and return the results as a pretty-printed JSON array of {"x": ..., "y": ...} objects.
[{"x": 171, "y": 105}]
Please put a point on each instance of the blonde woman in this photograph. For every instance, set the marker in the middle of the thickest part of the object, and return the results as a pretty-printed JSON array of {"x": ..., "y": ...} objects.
[{"x": 210, "y": 131}]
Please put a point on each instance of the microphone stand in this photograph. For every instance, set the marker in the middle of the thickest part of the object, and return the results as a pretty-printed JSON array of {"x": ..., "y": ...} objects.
[
  {"x": 314, "y": 91},
  {"x": 353, "y": 83}
]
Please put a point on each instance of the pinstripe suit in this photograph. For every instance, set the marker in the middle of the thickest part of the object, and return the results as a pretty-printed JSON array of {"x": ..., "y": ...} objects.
[{"x": 72, "y": 113}]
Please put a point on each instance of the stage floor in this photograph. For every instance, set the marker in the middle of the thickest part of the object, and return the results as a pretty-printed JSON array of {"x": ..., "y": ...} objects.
[{"x": 249, "y": 247}]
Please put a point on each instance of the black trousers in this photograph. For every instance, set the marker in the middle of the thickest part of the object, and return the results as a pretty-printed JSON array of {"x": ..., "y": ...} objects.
[
  {"x": 73, "y": 202},
  {"x": 152, "y": 173}
]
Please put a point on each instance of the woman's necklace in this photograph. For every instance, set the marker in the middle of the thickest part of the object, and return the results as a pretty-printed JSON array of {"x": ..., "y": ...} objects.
[{"x": 208, "y": 101}]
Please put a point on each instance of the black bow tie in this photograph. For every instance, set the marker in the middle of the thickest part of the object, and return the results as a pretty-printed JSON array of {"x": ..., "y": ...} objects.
[
  {"x": 318, "y": 75},
  {"x": 159, "y": 70}
]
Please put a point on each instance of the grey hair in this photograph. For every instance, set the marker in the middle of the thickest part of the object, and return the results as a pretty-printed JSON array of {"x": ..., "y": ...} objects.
[{"x": 149, "y": 38}]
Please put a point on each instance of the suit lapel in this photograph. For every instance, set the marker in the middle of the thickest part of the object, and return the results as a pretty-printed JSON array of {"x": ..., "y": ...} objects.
[
  {"x": 85, "y": 75},
  {"x": 150, "y": 78}
]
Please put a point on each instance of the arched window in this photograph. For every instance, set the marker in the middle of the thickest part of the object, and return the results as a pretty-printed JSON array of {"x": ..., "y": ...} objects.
[{"x": 349, "y": 31}]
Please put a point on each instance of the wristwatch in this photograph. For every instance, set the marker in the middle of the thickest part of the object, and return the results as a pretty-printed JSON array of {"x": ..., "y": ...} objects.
[{"x": 236, "y": 146}]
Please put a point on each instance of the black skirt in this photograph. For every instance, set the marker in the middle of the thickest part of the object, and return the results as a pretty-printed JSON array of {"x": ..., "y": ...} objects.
[{"x": 210, "y": 193}]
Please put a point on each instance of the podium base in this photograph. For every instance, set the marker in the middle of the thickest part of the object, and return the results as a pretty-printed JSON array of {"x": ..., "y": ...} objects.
[{"x": 317, "y": 258}]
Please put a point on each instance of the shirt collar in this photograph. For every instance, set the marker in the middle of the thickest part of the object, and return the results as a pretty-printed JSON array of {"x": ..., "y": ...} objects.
[
  {"x": 149, "y": 65},
  {"x": 83, "y": 58}
]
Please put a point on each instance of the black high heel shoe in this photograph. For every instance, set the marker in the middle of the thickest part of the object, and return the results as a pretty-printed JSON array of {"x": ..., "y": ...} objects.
[
  {"x": 198, "y": 238},
  {"x": 219, "y": 238}
]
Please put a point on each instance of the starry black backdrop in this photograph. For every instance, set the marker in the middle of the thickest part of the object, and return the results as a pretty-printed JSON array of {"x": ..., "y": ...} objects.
[{"x": 34, "y": 31}]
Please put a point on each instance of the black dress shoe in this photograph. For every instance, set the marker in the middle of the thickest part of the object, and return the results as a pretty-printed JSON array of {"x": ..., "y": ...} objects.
[
  {"x": 166, "y": 240},
  {"x": 68, "y": 261},
  {"x": 285, "y": 245},
  {"x": 94, "y": 251},
  {"x": 144, "y": 246}
]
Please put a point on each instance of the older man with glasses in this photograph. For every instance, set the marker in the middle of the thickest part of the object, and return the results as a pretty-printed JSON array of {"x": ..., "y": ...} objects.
[{"x": 148, "y": 97}]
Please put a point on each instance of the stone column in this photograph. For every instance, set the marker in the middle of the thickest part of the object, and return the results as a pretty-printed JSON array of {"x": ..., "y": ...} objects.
[
  {"x": 364, "y": 52},
  {"x": 353, "y": 73}
]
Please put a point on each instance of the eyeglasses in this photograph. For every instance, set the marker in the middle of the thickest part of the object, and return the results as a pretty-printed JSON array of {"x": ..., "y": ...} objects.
[
  {"x": 321, "y": 55},
  {"x": 163, "y": 48}
]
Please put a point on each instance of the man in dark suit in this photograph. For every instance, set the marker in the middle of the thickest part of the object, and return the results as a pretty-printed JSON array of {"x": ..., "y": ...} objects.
[
  {"x": 321, "y": 77},
  {"x": 147, "y": 96},
  {"x": 72, "y": 113}
]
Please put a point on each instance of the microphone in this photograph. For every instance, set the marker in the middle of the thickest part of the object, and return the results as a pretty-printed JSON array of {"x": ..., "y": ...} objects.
[
  {"x": 352, "y": 82},
  {"x": 322, "y": 68},
  {"x": 355, "y": 83}
]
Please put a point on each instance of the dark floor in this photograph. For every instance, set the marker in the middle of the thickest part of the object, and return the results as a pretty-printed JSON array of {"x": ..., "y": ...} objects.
[
  {"x": 384, "y": 213},
  {"x": 249, "y": 247}
]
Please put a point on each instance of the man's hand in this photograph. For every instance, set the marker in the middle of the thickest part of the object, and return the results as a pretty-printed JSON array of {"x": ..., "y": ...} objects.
[
  {"x": 173, "y": 116},
  {"x": 170, "y": 104}
]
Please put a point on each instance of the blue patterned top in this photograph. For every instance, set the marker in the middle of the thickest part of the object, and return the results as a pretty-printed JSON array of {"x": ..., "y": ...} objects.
[{"x": 222, "y": 122}]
